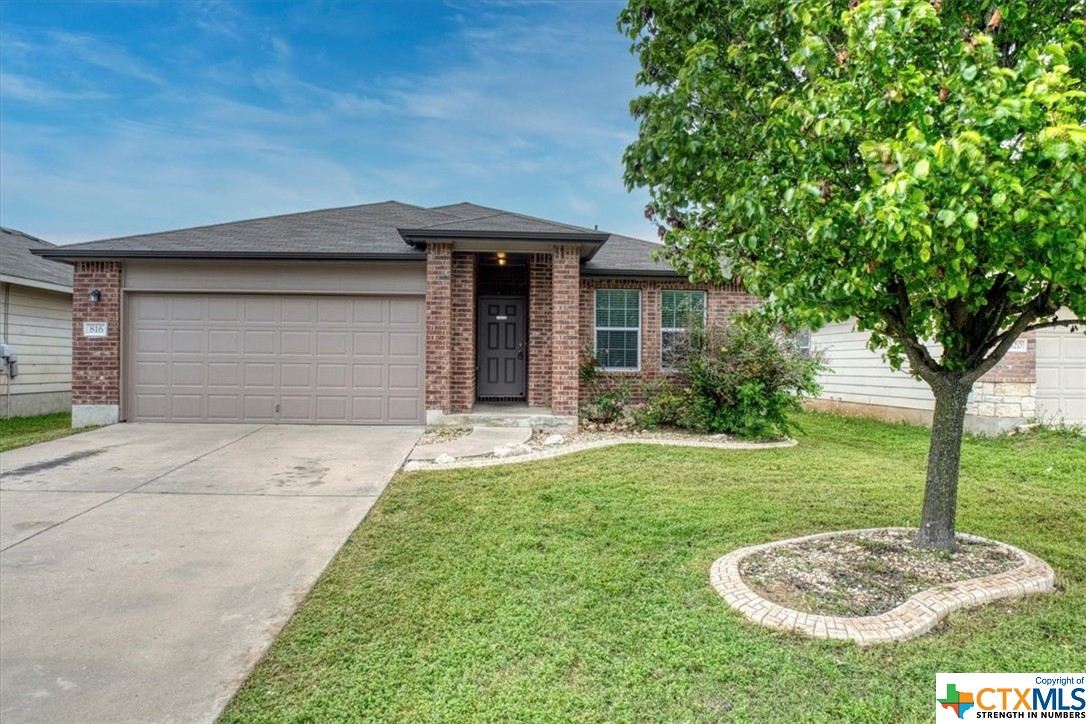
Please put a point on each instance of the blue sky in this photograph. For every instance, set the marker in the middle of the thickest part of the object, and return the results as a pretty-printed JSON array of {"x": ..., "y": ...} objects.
[{"x": 128, "y": 117}]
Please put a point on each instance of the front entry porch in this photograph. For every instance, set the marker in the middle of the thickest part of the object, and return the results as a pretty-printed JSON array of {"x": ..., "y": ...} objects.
[{"x": 502, "y": 335}]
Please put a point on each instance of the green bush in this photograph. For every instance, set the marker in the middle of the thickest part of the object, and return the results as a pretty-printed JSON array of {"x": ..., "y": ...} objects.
[
  {"x": 743, "y": 379},
  {"x": 607, "y": 405}
]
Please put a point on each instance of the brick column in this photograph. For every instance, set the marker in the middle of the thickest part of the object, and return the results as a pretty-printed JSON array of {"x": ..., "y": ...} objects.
[
  {"x": 438, "y": 327},
  {"x": 540, "y": 301},
  {"x": 565, "y": 329},
  {"x": 462, "y": 370},
  {"x": 96, "y": 361}
]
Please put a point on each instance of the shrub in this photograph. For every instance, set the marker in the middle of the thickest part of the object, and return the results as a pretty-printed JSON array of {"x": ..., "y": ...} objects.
[
  {"x": 743, "y": 378},
  {"x": 606, "y": 405}
]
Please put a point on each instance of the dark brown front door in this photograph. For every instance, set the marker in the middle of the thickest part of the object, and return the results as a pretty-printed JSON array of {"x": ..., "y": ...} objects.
[{"x": 502, "y": 337}]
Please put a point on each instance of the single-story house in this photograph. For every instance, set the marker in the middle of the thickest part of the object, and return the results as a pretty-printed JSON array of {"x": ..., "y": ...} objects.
[
  {"x": 383, "y": 313},
  {"x": 35, "y": 328},
  {"x": 1042, "y": 378}
]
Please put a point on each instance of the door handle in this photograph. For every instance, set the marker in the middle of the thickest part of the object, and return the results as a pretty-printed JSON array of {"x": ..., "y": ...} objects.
[{"x": 520, "y": 354}]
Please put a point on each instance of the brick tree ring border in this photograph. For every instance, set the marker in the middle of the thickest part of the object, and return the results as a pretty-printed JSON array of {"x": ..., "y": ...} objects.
[{"x": 915, "y": 617}]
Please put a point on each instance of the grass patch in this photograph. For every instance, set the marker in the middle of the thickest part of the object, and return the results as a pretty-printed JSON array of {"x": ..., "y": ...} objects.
[
  {"x": 577, "y": 588},
  {"x": 21, "y": 431}
]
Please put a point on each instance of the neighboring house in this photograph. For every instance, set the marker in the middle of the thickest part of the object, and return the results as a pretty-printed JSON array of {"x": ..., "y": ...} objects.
[
  {"x": 1042, "y": 378},
  {"x": 36, "y": 326},
  {"x": 377, "y": 314}
]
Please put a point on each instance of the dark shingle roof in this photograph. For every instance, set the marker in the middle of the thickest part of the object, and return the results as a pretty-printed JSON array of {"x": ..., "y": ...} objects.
[
  {"x": 17, "y": 262},
  {"x": 366, "y": 231},
  {"x": 626, "y": 254}
]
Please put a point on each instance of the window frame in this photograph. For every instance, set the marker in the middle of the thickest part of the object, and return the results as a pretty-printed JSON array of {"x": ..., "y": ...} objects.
[
  {"x": 597, "y": 328},
  {"x": 663, "y": 330}
]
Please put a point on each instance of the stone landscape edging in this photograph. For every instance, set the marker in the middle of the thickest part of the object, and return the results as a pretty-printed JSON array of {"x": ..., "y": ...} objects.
[
  {"x": 560, "y": 450},
  {"x": 915, "y": 617}
]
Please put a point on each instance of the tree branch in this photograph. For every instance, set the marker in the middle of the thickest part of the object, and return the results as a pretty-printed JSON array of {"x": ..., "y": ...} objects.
[{"x": 1056, "y": 323}]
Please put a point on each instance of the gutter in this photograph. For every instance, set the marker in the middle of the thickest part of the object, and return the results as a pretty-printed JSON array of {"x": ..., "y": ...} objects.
[{"x": 72, "y": 255}]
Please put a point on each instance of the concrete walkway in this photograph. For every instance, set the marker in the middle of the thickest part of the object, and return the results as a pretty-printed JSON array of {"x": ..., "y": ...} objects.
[
  {"x": 144, "y": 569},
  {"x": 481, "y": 441}
]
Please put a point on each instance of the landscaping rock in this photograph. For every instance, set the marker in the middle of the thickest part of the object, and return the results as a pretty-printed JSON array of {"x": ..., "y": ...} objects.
[
  {"x": 444, "y": 459},
  {"x": 506, "y": 451},
  {"x": 554, "y": 440},
  {"x": 412, "y": 465}
]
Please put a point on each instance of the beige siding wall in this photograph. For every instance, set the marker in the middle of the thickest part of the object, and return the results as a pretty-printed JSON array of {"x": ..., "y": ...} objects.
[
  {"x": 862, "y": 376},
  {"x": 269, "y": 276},
  {"x": 38, "y": 326}
]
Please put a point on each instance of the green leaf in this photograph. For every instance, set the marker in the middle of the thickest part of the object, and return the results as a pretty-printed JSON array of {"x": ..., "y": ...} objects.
[
  {"x": 922, "y": 168},
  {"x": 970, "y": 219},
  {"x": 947, "y": 216},
  {"x": 969, "y": 72}
]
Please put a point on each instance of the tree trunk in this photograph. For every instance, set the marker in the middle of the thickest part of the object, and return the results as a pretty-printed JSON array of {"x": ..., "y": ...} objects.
[{"x": 941, "y": 489}]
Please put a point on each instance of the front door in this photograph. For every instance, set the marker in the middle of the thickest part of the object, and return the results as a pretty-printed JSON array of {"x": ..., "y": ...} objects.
[{"x": 502, "y": 340}]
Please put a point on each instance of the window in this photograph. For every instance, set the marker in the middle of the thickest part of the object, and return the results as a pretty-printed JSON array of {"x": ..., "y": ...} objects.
[
  {"x": 802, "y": 338},
  {"x": 679, "y": 310},
  {"x": 618, "y": 329}
]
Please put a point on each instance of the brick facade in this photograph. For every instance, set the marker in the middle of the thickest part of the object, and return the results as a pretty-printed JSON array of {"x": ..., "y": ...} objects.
[
  {"x": 438, "y": 326},
  {"x": 721, "y": 303},
  {"x": 96, "y": 361},
  {"x": 565, "y": 336},
  {"x": 539, "y": 330},
  {"x": 463, "y": 344}
]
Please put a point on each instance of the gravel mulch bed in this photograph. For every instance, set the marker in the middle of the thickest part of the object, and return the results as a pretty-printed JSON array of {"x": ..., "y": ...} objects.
[
  {"x": 864, "y": 575},
  {"x": 442, "y": 434}
]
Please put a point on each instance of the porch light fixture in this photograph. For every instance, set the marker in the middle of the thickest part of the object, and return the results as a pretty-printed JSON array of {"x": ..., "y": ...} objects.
[
  {"x": 501, "y": 258},
  {"x": 95, "y": 296}
]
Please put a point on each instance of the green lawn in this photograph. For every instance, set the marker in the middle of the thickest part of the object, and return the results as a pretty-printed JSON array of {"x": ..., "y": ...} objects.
[
  {"x": 578, "y": 588},
  {"x": 20, "y": 431}
]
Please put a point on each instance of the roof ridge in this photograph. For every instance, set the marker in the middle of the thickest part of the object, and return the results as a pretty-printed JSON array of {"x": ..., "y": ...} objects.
[
  {"x": 25, "y": 235},
  {"x": 199, "y": 227}
]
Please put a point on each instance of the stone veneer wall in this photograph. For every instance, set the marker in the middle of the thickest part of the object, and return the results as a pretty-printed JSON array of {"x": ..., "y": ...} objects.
[
  {"x": 96, "y": 361},
  {"x": 1009, "y": 390},
  {"x": 721, "y": 303}
]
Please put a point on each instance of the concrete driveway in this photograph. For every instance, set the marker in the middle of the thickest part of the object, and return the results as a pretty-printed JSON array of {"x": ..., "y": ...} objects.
[{"x": 144, "y": 569}]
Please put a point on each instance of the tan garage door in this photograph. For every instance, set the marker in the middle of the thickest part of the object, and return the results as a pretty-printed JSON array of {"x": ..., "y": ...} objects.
[
  {"x": 275, "y": 358},
  {"x": 1061, "y": 375}
]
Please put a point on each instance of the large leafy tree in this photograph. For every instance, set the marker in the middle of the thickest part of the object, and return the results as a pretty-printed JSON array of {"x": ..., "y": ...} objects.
[{"x": 918, "y": 165}]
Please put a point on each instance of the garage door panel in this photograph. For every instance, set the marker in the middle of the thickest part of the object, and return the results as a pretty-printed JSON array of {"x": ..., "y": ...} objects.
[
  {"x": 369, "y": 311},
  {"x": 295, "y": 408},
  {"x": 295, "y": 375},
  {"x": 223, "y": 374},
  {"x": 296, "y": 342},
  {"x": 297, "y": 311},
  {"x": 332, "y": 343},
  {"x": 224, "y": 309},
  {"x": 333, "y": 310},
  {"x": 259, "y": 341},
  {"x": 262, "y": 309},
  {"x": 188, "y": 341},
  {"x": 403, "y": 409},
  {"x": 151, "y": 406},
  {"x": 368, "y": 344},
  {"x": 402, "y": 311},
  {"x": 294, "y": 359},
  {"x": 368, "y": 409},
  {"x": 404, "y": 344},
  {"x": 187, "y": 374},
  {"x": 224, "y": 341},
  {"x": 332, "y": 408},
  {"x": 403, "y": 376},
  {"x": 222, "y": 408}
]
